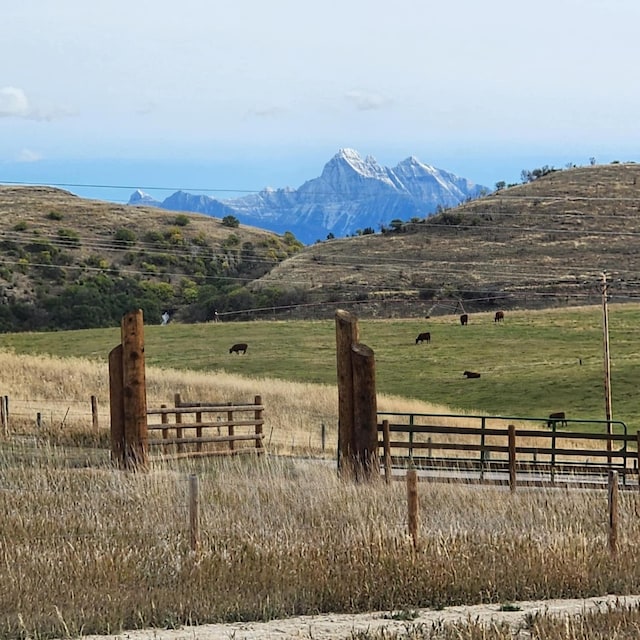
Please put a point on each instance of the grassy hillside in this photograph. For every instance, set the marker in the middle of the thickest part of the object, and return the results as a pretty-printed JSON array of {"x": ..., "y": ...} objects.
[
  {"x": 69, "y": 262},
  {"x": 534, "y": 245},
  {"x": 75, "y": 263},
  {"x": 534, "y": 363}
]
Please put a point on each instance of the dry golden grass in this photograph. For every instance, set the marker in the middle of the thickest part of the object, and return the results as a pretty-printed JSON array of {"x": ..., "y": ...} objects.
[
  {"x": 95, "y": 550},
  {"x": 91, "y": 550},
  {"x": 60, "y": 389}
]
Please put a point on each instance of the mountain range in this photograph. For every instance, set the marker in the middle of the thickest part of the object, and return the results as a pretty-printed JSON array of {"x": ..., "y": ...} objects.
[{"x": 351, "y": 195}]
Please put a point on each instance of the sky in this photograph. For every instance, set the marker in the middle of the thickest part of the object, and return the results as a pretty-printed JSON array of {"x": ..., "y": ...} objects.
[{"x": 223, "y": 98}]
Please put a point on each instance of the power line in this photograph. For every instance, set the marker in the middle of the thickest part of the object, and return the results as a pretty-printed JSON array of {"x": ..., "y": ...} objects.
[{"x": 78, "y": 185}]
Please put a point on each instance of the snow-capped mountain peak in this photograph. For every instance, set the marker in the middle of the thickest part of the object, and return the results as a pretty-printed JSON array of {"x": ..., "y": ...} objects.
[{"x": 351, "y": 193}]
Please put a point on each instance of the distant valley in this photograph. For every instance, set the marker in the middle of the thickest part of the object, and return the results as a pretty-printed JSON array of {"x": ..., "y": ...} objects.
[{"x": 353, "y": 195}]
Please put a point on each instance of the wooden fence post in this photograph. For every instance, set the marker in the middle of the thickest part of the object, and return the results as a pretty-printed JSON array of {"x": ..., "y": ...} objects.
[
  {"x": 134, "y": 387},
  {"x": 638, "y": 455},
  {"x": 116, "y": 404},
  {"x": 194, "y": 512},
  {"x": 179, "y": 433},
  {"x": 94, "y": 412},
  {"x": 512, "y": 457},
  {"x": 258, "y": 416},
  {"x": 412, "y": 505},
  {"x": 164, "y": 419},
  {"x": 346, "y": 335},
  {"x": 483, "y": 443},
  {"x": 3, "y": 417},
  {"x": 613, "y": 512},
  {"x": 231, "y": 429},
  {"x": 386, "y": 439},
  {"x": 199, "y": 430},
  {"x": 365, "y": 416}
]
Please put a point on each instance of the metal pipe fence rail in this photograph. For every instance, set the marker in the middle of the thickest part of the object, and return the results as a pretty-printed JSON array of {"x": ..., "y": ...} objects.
[
  {"x": 200, "y": 429},
  {"x": 492, "y": 449}
]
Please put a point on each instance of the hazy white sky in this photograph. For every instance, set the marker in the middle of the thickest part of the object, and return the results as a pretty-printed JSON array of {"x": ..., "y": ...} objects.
[{"x": 269, "y": 91}]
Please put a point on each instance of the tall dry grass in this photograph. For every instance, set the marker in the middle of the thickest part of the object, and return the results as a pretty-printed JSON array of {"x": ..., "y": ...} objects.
[
  {"x": 94, "y": 550},
  {"x": 60, "y": 390}
]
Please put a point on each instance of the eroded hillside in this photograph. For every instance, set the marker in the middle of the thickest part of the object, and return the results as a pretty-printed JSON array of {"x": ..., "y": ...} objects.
[{"x": 542, "y": 243}]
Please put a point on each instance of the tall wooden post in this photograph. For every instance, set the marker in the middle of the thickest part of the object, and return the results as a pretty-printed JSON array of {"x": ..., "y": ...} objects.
[
  {"x": 412, "y": 505},
  {"x": 257, "y": 400},
  {"x": 134, "y": 390},
  {"x": 116, "y": 404},
  {"x": 365, "y": 414},
  {"x": 613, "y": 512},
  {"x": 346, "y": 335},
  {"x": 512, "y": 457},
  {"x": 386, "y": 438}
]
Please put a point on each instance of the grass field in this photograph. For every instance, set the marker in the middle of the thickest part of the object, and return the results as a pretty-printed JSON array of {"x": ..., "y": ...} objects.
[
  {"x": 534, "y": 363},
  {"x": 89, "y": 549}
]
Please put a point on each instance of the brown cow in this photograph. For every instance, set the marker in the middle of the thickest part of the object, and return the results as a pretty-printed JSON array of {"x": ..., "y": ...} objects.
[
  {"x": 471, "y": 374},
  {"x": 499, "y": 317},
  {"x": 423, "y": 337},
  {"x": 240, "y": 347},
  {"x": 464, "y": 318}
]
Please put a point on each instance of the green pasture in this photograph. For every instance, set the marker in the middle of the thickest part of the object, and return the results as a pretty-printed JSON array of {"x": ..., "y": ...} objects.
[{"x": 534, "y": 363}]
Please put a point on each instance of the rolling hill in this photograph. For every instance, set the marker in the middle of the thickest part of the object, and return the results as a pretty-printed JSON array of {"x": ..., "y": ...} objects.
[
  {"x": 70, "y": 263},
  {"x": 539, "y": 244}
]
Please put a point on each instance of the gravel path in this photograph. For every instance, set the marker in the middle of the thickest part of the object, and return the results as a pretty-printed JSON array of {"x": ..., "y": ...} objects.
[{"x": 341, "y": 626}]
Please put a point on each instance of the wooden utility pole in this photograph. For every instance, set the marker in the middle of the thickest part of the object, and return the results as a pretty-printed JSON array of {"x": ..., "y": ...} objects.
[{"x": 607, "y": 357}]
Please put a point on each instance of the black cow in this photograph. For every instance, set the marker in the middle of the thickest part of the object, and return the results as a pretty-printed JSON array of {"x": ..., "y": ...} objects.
[
  {"x": 464, "y": 319},
  {"x": 240, "y": 347},
  {"x": 557, "y": 419},
  {"x": 499, "y": 317},
  {"x": 423, "y": 337},
  {"x": 471, "y": 374}
]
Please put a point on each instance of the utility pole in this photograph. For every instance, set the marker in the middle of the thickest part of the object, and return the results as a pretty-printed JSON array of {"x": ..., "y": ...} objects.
[{"x": 607, "y": 358}]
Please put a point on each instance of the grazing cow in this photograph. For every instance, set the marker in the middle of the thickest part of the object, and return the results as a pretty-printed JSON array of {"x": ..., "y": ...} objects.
[
  {"x": 499, "y": 317},
  {"x": 240, "y": 347},
  {"x": 423, "y": 337},
  {"x": 464, "y": 318},
  {"x": 557, "y": 419},
  {"x": 471, "y": 374}
]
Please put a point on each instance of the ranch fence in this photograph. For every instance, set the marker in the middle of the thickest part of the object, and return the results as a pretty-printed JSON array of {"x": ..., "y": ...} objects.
[
  {"x": 22, "y": 414},
  {"x": 202, "y": 429},
  {"x": 492, "y": 450}
]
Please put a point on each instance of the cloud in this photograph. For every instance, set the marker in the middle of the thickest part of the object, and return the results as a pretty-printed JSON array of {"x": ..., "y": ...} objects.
[
  {"x": 365, "y": 101},
  {"x": 13, "y": 103},
  {"x": 26, "y": 155}
]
